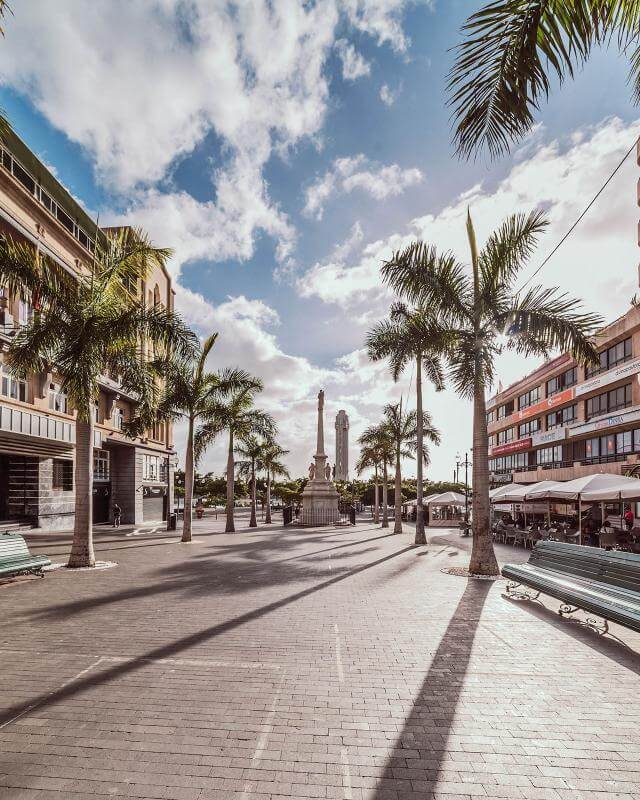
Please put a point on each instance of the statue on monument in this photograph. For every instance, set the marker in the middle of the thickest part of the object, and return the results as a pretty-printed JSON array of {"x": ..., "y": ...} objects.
[
  {"x": 312, "y": 471},
  {"x": 327, "y": 472},
  {"x": 321, "y": 400}
]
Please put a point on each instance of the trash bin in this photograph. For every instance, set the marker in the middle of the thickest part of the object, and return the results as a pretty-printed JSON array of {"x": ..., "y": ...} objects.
[{"x": 172, "y": 522}]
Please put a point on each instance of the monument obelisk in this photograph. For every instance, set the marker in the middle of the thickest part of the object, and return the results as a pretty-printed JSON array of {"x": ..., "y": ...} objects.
[{"x": 320, "y": 497}]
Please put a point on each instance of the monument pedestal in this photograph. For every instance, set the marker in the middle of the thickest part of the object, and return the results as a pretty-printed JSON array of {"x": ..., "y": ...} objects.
[{"x": 320, "y": 498}]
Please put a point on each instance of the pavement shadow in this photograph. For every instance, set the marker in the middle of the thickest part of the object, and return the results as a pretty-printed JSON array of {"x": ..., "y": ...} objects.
[
  {"x": 614, "y": 648},
  {"x": 180, "y": 645},
  {"x": 421, "y": 746}
]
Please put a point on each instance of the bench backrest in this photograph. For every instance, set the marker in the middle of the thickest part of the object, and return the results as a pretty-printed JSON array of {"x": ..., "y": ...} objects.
[
  {"x": 611, "y": 567},
  {"x": 12, "y": 545}
]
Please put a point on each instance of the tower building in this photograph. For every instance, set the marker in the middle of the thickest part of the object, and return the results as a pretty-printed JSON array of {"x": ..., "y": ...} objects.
[{"x": 342, "y": 446}]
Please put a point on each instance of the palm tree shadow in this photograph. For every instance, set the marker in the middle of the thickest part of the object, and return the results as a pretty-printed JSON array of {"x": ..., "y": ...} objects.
[{"x": 421, "y": 744}]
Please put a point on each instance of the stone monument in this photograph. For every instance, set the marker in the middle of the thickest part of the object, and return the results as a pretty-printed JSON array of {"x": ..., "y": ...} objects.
[{"x": 320, "y": 497}]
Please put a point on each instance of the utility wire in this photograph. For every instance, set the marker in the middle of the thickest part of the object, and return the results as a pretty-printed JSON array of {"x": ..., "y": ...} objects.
[{"x": 576, "y": 223}]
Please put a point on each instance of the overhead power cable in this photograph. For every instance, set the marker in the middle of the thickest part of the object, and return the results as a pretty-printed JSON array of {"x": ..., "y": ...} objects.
[{"x": 577, "y": 222}]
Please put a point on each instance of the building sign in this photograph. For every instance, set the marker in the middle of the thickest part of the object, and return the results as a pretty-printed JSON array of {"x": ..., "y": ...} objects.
[
  {"x": 500, "y": 477},
  {"x": 511, "y": 447},
  {"x": 547, "y": 437},
  {"x": 548, "y": 404},
  {"x": 605, "y": 422},
  {"x": 617, "y": 374}
]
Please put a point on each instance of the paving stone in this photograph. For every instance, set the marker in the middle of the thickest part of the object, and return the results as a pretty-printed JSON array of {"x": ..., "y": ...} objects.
[{"x": 281, "y": 663}]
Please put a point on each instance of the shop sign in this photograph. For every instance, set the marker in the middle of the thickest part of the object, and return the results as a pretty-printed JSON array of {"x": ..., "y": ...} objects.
[
  {"x": 605, "y": 422},
  {"x": 501, "y": 477},
  {"x": 546, "y": 437},
  {"x": 548, "y": 404},
  {"x": 617, "y": 374},
  {"x": 511, "y": 447},
  {"x": 153, "y": 491}
]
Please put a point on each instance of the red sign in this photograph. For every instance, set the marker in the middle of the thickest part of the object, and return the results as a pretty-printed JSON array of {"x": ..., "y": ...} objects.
[
  {"x": 548, "y": 404},
  {"x": 511, "y": 447}
]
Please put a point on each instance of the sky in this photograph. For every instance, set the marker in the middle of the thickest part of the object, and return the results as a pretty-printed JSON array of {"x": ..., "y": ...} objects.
[{"x": 284, "y": 149}]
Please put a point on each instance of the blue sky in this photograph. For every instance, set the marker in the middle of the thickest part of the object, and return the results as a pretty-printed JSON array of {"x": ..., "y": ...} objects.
[{"x": 215, "y": 147}]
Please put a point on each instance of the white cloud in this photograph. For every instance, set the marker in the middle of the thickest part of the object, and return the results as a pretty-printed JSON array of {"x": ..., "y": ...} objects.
[
  {"x": 388, "y": 95},
  {"x": 358, "y": 172},
  {"x": 381, "y": 19},
  {"x": 354, "y": 66}
]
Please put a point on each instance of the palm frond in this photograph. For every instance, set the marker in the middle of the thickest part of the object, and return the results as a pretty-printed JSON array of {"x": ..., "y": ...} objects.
[{"x": 502, "y": 67}]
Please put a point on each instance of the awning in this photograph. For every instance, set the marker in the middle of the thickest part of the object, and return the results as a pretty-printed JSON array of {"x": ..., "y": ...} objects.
[
  {"x": 447, "y": 499},
  {"x": 600, "y": 486}
]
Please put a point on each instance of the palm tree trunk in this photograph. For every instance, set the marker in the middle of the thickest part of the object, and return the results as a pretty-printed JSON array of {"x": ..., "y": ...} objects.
[
  {"x": 483, "y": 558},
  {"x": 253, "y": 522},
  {"x": 421, "y": 536},
  {"x": 230, "y": 526},
  {"x": 385, "y": 497},
  {"x": 397, "y": 527},
  {"x": 267, "y": 519},
  {"x": 82, "y": 554},
  {"x": 376, "y": 498},
  {"x": 188, "y": 485}
]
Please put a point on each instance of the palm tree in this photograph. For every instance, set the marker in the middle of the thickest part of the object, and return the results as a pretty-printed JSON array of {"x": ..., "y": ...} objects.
[
  {"x": 512, "y": 51},
  {"x": 483, "y": 312},
  {"x": 412, "y": 336},
  {"x": 369, "y": 460},
  {"x": 190, "y": 394},
  {"x": 85, "y": 326},
  {"x": 378, "y": 439},
  {"x": 238, "y": 415},
  {"x": 403, "y": 428},
  {"x": 271, "y": 460},
  {"x": 250, "y": 449}
]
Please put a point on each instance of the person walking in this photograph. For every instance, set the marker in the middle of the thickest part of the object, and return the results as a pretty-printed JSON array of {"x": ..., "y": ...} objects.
[{"x": 117, "y": 513}]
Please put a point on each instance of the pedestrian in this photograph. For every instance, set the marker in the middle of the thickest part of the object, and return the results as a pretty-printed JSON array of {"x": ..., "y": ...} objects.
[
  {"x": 628, "y": 517},
  {"x": 117, "y": 513}
]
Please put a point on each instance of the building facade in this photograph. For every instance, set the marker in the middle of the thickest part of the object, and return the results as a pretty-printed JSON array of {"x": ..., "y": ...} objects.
[
  {"x": 37, "y": 424},
  {"x": 563, "y": 421},
  {"x": 342, "y": 446}
]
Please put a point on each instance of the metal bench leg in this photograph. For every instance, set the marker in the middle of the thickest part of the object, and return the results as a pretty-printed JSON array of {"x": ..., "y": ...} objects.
[
  {"x": 520, "y": 594},
  {"x": 601, "y": 628}
]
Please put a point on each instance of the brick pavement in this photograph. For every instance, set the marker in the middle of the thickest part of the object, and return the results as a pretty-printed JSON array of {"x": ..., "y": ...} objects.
[{"x": 337, "y": 663}]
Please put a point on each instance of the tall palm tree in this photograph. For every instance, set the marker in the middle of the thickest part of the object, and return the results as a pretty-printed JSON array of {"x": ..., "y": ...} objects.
[
  {"x": 412, "y": 336},
  {"x": 190, "y": 394},
  {"x": 368, "y": 459},
  {"x": 271, "y": 460},
  {"x": 483, "y": 313},
  {"x": 250, "y": 449},
  {"x": 85, "y": 326},
  {"x": 378, "y": 438},
  {"x": 403, "y": 428},
  {"x": 237, "y": 415},
  {"x": 512, "y": 51}
]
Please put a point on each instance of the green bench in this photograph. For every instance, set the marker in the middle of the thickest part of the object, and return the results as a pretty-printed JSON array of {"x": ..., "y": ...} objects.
[
  {"x": 15, "y": 558},
  {"x": 601, "y": 582}
]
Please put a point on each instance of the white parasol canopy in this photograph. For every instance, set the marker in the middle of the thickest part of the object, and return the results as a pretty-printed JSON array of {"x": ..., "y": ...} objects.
[
  {"x": 623, "y": 489},
  {"x": 447, "y": 499},
  {"x": 603, "y": 483},
  {"x": 496, "y": 495}
]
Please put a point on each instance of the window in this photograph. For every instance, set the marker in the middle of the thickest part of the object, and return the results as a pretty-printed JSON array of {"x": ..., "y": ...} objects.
[
  {"x": 624, "y": 442},
  {"x": 610, "y": 401},
  {"x": 529, "y": 398},
  {"x": 505, "y": 410},
  {"x": 508, "y": 435},
  {"x": 563, "y": 416},
  {"x": 118, "y": 418},
  {"x": 58, "y": 399},
  {"x": 550, "y": 455},
  {"x": 101, "y": 465},
  {"x": 158, "y": 431},
  {"x": 562, "y": 381},
  {"x": 611, "y": 357},
  {"x": 502, "y": 464},
  {"x": 151, "y": 468},
  {"x": 491, "y": 416},
  {"x": 527, "y": 428},
  {"x": 15, "y": 388},
  {"x": 96, "y": 411},
  {"x": 62, "y": 475},
  {"x": 25, "y": 312}
]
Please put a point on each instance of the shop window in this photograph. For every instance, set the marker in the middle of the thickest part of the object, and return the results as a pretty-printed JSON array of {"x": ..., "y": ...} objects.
[
  {"x": 150, "y": 468},
  {"x": 550, "y": 455},
  {"x": 101, "y": 471},
  {"x": 62, "y": 475}
]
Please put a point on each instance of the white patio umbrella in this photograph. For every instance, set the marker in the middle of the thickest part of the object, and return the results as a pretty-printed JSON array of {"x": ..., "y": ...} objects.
[
  {"x": 603, "y": 482},
  {"x": 623, "y": 489},
  {"x": 447, "y": 499},
  {"x": 496, "y": 495}
]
